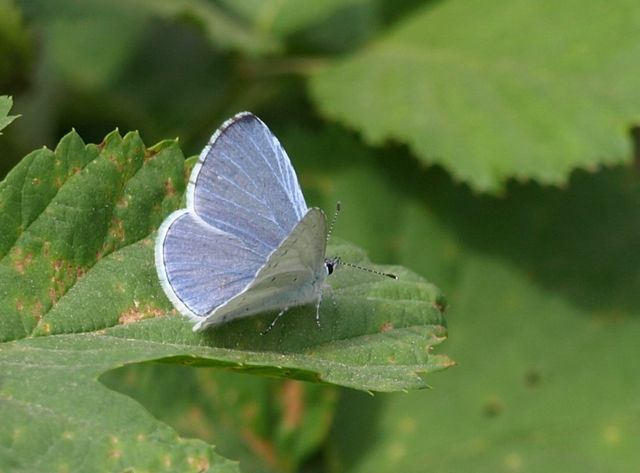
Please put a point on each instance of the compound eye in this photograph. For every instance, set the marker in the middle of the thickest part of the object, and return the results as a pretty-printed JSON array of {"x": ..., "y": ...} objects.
[{"x": 329, "y": 266}]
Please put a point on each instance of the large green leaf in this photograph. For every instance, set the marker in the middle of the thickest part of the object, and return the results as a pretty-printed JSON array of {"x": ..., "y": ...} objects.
[
  {"x": 543, "y": 288},
  {"x": 56, "y": 416},
  {"x": 79, "y": 296},
  {"x": 497, "y": 89}
]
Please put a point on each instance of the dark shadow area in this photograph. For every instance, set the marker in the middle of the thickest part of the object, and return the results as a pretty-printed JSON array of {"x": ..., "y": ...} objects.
[
  {"x": 582, "y": 241},
  {"x": 355, "y": 428},
  {"x": 353, "y": 26}
]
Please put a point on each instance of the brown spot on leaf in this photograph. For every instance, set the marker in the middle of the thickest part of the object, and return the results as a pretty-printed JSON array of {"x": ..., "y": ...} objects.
[
  {"x": 136, "y": 314},
  {"x": 449, "y": 363},
  {"x": 19, "y": 305},
  {"x": 292, "y": 398},
  {"x": 117, "y": 229},
  {"x": 440, "y": 304},
  {"x": 123, "y": 203},
  {"x": 36, "y": 181},
  {"x": 150, "y": 153},
  {"x": 53, "y": 295},
  {"x": 203, "y": 464},
  {"x": 169, "y": 189},
  {"x": 114, "y": 159},
  {"x": 37, "y": 310},
  {"x": 21, "y": 263},
  {"x": 387, "y": 326},
  {"x": 46, "y": 328}
]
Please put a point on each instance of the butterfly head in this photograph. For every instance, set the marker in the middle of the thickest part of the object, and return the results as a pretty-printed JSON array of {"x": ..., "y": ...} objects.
[{"x": 331, "y": 264}]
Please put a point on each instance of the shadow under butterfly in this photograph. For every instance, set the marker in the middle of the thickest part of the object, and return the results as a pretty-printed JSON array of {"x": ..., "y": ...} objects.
[{"x": 246, "y": 243}]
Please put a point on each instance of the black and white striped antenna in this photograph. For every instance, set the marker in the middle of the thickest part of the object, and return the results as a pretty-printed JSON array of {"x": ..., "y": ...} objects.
[
  {"x": 335, "y": 262},
  {"x": 333, "y": 219}
]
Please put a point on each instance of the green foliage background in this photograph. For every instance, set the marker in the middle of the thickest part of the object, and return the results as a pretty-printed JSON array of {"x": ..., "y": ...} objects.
[{"x": 487, "y": 146}]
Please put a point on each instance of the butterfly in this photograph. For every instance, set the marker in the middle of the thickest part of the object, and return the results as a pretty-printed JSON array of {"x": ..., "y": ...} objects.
[{"x": 246, "y": 243}]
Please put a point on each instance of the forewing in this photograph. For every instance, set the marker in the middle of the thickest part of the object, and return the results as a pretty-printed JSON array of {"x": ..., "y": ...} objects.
[
  {"x": 199, "y": 266},
  {"x": 244, "y": 184},
  {"x": 293, "y": 274}
]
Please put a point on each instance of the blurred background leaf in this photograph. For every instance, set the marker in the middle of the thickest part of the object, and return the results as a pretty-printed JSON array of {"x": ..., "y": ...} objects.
[
  {"x": 498, "y": 89},
  {"x": 505, "y": 97}
]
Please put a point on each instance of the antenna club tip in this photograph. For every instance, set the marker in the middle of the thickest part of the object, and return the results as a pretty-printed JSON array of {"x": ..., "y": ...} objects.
[
  {"x": 338, "y": 205},
  {"x": 392, "y": 276}
]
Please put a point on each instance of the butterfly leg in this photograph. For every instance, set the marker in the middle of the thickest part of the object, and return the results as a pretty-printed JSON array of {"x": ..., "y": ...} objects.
[
  {"x": 318, "y": 309},
  {"x": 273, "y": 322}
]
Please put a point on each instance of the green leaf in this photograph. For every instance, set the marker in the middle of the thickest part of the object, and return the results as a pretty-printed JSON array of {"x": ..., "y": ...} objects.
[
  {"x": 79, "y": 296},
  {"x": 5, "y": 105},
  {"x": 496, "y": 90},
  {"x": 56, "y": 416},
  {"x": 543, "y": 289}
]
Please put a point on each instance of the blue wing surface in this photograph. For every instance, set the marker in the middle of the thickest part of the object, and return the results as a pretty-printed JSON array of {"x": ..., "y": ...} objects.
[
  {"x": 201, "y": 267},
  {"x": 244, "y": 184}
]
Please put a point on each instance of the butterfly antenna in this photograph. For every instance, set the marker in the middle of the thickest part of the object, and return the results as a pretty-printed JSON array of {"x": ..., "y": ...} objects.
[
  {"x": 334, "y": 262},
  {"x": 369, "y": 270},
  {"x": 333, "y": 220}
]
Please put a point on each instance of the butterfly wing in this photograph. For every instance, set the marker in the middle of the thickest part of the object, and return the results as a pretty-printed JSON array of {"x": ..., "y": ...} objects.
[
  {"x": 292, "y": 275},
  {"x": 244, "y": 184},
  {"x": 243, "y": 200},
  {"x": 201, "y": 267}
]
